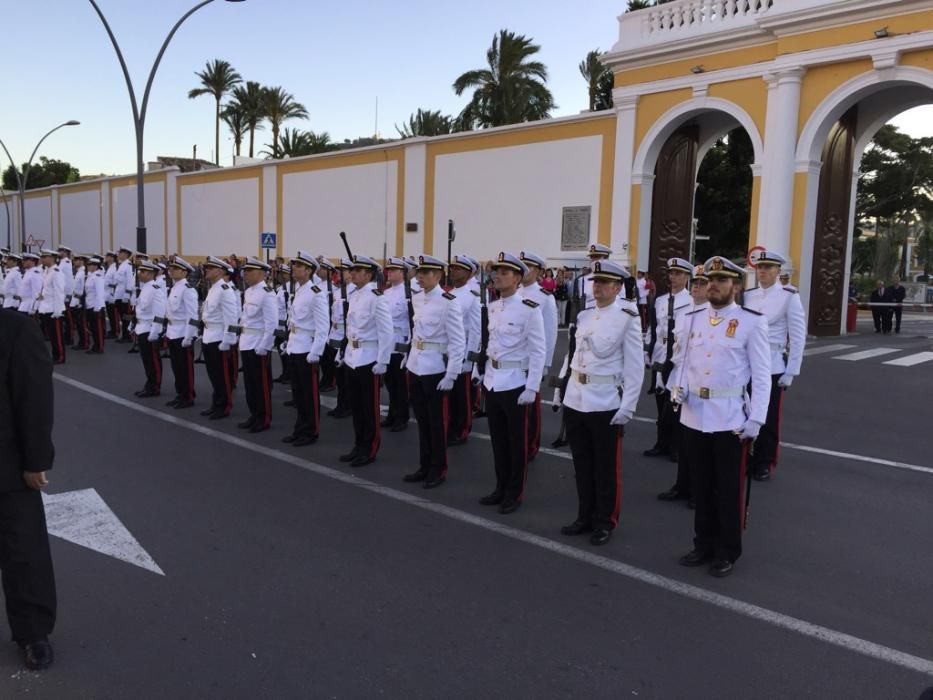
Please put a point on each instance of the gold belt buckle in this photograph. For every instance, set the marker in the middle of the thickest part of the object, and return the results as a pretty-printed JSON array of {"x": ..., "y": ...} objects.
[
  {"x": 355, "y": 344},
  {"x": 584, "y": 379},
  {"x": 419, "y": 344},
  {"x": 495, "y": 364},
  {"x": 704, "y": 392}
]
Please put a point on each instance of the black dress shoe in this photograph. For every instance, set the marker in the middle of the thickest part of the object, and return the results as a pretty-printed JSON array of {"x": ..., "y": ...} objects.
[
  {"x": 454, "y": 442},
  {"x": 290, "y": 403},
  {"x": 577, "y": 527},
  {"x": 655, "y": 451},
  {"x": 139, "y": 393},
  {"x": 508, "y": 507},
  {"x": 557, "y": 444},
  {"x": 434, "y": 482},
  {"x": 93, "y": 352},
  {"x": 332, "y": 412},
  {"x": 217, "y": 415},
  {"x": 493, "y": 499},
  {"x": 398, "y": 427},
  {"x": 385, "y": 423},
  {"x": 721, "y": 568},
  {"x": 351, "y": 455},
  {"x": 762, "y": 474},
  {"x": 173, "y": 402},
  {"x": 343, "y": 413},
  {"x": 288, "y": 439},
  {"x": 415, "y": 477},
  {"x": 147, "y": 394},
  {"x": 207, "y": 411},
  {"x": 304, "y": 440},
  {"x": 600, "y": 536},
  {"x": 674, "y": 494},
  {"x": 696, "y": 558},
  {"x": 184, "y": 403},
  {"x": 362, "y": 460},
  {"x": 258, "y": 428},
  {"x": 133, "y": 350},
  {"x": 246, "y": 424},
  {"x": 38, "y": 655}
]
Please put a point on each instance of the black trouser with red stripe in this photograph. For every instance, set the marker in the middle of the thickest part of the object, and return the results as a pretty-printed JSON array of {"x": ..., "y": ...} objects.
[
  {"x": 217, "y": 363},
  {"x": 306, "y": 394},
  {"x": 363, "y": 391},
  {"x": 152, "y": 361},
  {"x": 123, "y": 314},
  {"x": 717, "y": 475},
  {"x": 95, "y": 327},
  {"x": 508, "y": 431},
  {"x": 113, "y": 316},
  {"x": 534, "y": 427},
  {"x": 430, "y": 408},
  {"x": 182, "y": 360},
  {"x": 767, "y": 446},
  {"x": 52, "y": 327},
  {"x": 26, "y": 562},
  {"x": 79, "y": 316},
  {"x": 68, "y": 328},
  {"x": 233, "y": 365},
  {"x": 396, "y": 383},
  {"x": 597, "y": 463},
  {"x": 461, "y": 408},
  {"x": 256, "y": 378}
]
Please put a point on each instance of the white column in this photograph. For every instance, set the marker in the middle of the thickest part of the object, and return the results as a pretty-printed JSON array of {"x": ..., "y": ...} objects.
[
  {"x": 777, "y": 181},
  {"x": 54, "y": 237},
  {"x": 626, "y": 111},
  {"x": 416, "y": 154}
]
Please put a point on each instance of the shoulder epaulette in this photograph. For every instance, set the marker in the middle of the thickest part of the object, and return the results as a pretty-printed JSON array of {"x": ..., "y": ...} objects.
[
  {"x": 751, "y": 311},
  {"x": 547, "y": 291},
  {"x": 630, "y": 312},
  {"x": 155, "y": 286},
  {"x": 315, "y": 289},
  {"x": 751, "y": 289},
  {"x": 377, "y": 292},
  {"x": 696, "y": 311},
  {"x": 267, "y": 289},
  {"x": 529, "y": 302},
  {"x": 188, "y": 286},
  {"x": 225, "y": 286},
  {"x": 792, "y": 291},
  {"x": 474, "y": 292},
  {"x": 416, "y": 291},
  {"x": 448, "y": 296},
  {"x": 683, "y": 306}
]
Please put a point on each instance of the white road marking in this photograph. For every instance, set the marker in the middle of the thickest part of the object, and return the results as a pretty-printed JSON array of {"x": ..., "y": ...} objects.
[
  {"x": 820, "y": 349},
  {"x": 911, "y": 360},
  {"x": 82, "y": 517},
  {"x": 866, "y": 354},
  {"x": 772, "y": 617}
]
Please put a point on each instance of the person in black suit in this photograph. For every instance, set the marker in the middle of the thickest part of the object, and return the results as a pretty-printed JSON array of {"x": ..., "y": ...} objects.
[
  {"x": 881, "y": 315},
  {"x": 898, "y": 293},
  {"x": 26, "y": 445}
]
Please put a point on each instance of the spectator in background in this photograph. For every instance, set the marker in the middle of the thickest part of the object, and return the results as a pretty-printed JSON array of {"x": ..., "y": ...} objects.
[
  {"x": 898, "y": 293},
  {"x": 561, "y": 295},
  {"x": 641, "y": 287},
  {"x": 549, "y": 283},
  {"x": 881, "y": 315}
]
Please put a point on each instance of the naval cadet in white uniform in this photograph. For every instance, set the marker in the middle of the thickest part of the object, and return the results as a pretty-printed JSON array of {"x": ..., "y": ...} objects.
[
  {"x": 149, "y": 325},
  {"x": 787, "y": 335},
  {"x": 396, "y": 381},
  {"x": 602, "y": 392},
  {"x": 182, "y": 313},
  {"x": 259, "y": 319},
  {"x": 219, "y": 319},
  {"x": 720, "y": 349},
  {"x": 95, "y": 304},
  {"x": 12, "y": 281},
  {"x": 438, "y": 347},
  {"x": 51, "y": 304},
  {"x": 461, "y": 402}
]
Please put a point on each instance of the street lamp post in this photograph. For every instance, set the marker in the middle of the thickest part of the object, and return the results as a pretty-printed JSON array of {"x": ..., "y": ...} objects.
[
  {"x": 21, "y": 179},
  {"x": 139, "y": 114}
]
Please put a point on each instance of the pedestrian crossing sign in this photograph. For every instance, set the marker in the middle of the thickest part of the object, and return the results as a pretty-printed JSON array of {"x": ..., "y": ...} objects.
[{"x": 267, "y": 241}]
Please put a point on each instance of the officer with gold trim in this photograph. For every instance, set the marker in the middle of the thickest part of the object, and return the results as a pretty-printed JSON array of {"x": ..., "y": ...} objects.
[
  {"x": 720, "y": 349},
  {"x": 259, "y": 318},
  {"x": 149, "y": 325},
  {"x": 220, "y": 318},
  {"x": 396, "y": 381},
  {"x": 182, "y": 313},
  {"x": 602, "y": 392}
]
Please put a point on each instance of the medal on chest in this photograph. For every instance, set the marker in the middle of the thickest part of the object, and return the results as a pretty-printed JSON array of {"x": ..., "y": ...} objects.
[
  {"x": 730, "y": 331},
  {"x": 714, "y": 321}
]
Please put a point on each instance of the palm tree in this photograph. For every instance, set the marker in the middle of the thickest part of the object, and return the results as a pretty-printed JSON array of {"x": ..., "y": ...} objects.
[
  {"x": 279, "y": 107},
  {"x": 426, "y": 122},
  {"x": 510, "y": 90},
  {"x": 235, "y": 120},
  {"x": 217, "y": 79},
  {"x": 249, "y": 100},
  {"x": 294, "y": 143},
  {"x": 599, "y": 80},
  {"x": 320, "y": 142}
]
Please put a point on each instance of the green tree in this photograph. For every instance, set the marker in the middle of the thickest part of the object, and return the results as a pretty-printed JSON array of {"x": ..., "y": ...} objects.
[
  {"x": 295, "y": 143},
  {"x": 249, "y": 100},
  {"x": 235, "y": 120},
  {"x": 724, "y": 197},
  {"x": 280, "y": 106},
  {"x": 44, "y": 173},
  {"x": 426, "y": 122},
  {"x": 217, "y": 79},
  {"x": 510, "y": 89},
  {"x": 634, "y": 5},
  {"x": 599, "y": 81}
]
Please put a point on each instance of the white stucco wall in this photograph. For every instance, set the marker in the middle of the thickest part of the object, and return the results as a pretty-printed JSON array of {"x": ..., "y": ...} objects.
[
  {"x": 39, "y": 218},
  {"x": 219, "y": 218},
  {"x": 10, "y": 241},
  {"x": 361, "y": 200},
  {"x": 81, "y": 221},
  {"x": 124, "y": 216},
  {"x": 515, "y": 195}
]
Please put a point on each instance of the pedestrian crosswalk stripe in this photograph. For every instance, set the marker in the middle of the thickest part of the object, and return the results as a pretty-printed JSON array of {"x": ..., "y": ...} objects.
[
  {"x": 911, "y": 360},
  {"x": 820, "y": 349},
  {"x": 865, "y": 354}
]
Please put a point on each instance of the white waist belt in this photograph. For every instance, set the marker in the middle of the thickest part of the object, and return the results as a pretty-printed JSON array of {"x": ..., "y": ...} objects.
[
  {"x": 510, "y": 364},
  {"x": 425, "y": 345},
  {"x": 364, "y": 343},
  {"x": 214, "y": 325},
  {"x": 248, "y": 331},
  {"x": 780, "y": 347},
  {"x": 707, "y": 393},
  {"x": 583, "y": 378},
  {"x": 302, "y": 331}
]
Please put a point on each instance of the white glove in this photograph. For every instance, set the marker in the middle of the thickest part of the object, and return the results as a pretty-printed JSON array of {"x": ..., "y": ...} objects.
[
  {"x": 547, "y": 371},
  {"x": 401, "y": 365},
  {"x": 786, "y": 380},
  {"x": 283, "y": 348},
  {"x": 379, "y": 369},
  {"x": 224, "y": 346},
  {"x": 261, "y": 352},
  {"x": 527, "y": 397},
  {"x": 313, "y": 359},
  {"x": 750, "y": 430},
  {"x": 557, "y": 401},
  {"x": 187, "y": 342},
  {"x": 154, "y": 337},
  {"x": 446, "y": 384},
  {"x": 621, "y": 417},
  {"x": 475, "y": 376},
  {"x": 338, "y": 361},
  {"x": 679, "y": 394}
]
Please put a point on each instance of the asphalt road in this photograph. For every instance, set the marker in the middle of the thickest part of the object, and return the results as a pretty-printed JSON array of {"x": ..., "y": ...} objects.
[{"x": 288, "y": 575}]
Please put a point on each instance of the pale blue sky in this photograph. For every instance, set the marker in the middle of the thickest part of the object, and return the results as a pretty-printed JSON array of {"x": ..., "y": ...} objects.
[{"x": 335, "y": 57}]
